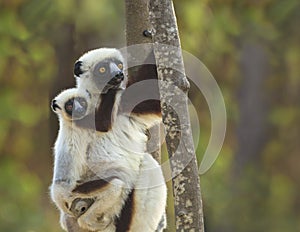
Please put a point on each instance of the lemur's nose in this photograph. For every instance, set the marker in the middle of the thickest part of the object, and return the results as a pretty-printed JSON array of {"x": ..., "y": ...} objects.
[
  {"x": 116, "y": 73},
  {"x": 78, "y": 107},
  {"x": 119, "y": 76}
]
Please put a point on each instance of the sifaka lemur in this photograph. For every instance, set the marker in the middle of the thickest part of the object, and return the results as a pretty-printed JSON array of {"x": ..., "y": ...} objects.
[{"x": 103, "y": 176}]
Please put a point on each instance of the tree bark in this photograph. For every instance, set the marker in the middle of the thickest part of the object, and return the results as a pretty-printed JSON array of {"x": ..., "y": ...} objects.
[
  {"x": 170, "y": 68},
  {"x": 137, "y": 23}
]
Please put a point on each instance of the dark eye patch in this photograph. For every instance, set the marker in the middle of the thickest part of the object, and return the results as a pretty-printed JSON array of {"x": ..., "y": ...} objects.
[
  {"x": 76, "y": 112},
  {"x": 77, "y": 68},
  {"x": 105, "y": 64},
  {"x": 98, "y": 68},
  {"x": 69, "y": 106}
]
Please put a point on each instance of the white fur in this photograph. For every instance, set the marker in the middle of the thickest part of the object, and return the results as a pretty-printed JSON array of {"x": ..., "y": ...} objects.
[{"x": 111, "y": 153}]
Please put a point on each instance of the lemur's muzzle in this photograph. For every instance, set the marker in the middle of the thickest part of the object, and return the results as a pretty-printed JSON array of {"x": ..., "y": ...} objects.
[
  {"x": 116, "y": 74},
  {"x": 117, "y": 78}
]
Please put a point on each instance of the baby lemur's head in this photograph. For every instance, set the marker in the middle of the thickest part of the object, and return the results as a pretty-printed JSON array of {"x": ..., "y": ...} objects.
[{"x": 72, "y": 104}]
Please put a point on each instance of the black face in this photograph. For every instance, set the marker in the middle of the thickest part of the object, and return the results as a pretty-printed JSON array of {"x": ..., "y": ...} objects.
[
  {"x": 76, "y": 107},
  {"x": 107, "y": 74}
]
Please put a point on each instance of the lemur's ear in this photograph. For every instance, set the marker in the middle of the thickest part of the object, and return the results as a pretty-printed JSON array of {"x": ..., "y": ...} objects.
[
  {"x": 54, "y": 105},
  {"x": 77, "y": 68}
]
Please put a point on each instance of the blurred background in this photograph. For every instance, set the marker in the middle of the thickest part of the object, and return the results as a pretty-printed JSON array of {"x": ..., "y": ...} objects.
[{"x": 252, "y": 49}]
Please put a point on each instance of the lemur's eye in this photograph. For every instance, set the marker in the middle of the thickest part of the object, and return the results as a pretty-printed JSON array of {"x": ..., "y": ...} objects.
[
  {"x": 120, "y": 66},
  {"x": 102, "y": 70},
  {"x": 69, "y": 106}
]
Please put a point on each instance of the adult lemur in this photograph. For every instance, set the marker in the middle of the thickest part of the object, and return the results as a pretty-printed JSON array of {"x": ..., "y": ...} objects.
[{"x": 103, "y": 176}]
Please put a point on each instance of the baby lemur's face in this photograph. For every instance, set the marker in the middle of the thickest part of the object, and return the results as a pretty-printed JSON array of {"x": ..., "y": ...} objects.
[
  {"x": 76, "y": 107},
  {"x": 71, "y": 104}
]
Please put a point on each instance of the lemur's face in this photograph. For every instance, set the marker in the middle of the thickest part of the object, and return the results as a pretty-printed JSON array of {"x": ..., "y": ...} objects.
[
  {"x": 71, "y": 105},
  {"x": 100, "y": 70}
]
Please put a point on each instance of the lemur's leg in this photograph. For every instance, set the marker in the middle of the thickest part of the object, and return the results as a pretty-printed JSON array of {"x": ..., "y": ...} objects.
[
  {"x": 149, "y": 197},
  {"x": 108, "y": 202}
]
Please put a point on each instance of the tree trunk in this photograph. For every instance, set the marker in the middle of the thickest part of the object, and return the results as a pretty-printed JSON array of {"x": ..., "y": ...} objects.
[
  {"x": 137, "y": 24},
  {"x": 137, "y": 21},
  {"x": 170, "y": 68}
]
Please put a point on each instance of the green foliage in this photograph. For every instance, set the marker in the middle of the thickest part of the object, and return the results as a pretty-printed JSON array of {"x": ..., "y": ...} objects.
[
  {"x": 32, "y": 34},
  {"x": 264, "y": 197}
]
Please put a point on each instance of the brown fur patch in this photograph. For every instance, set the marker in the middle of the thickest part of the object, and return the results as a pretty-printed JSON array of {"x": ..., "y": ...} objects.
[
  {"x": 94, "y": 185},
  {"x": 103, "y": 115},
  {"x": 124, "y": 220}
]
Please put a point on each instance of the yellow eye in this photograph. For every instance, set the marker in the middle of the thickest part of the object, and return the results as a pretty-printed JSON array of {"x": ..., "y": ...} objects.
[
  {"x": 102, "y": 70},
  {"x": 120, "y": 66}
]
